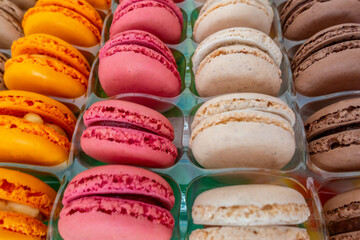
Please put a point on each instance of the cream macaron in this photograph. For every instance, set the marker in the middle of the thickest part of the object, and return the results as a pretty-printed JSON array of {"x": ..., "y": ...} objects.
[
  {"x": 217, "y": 15},
  {"x": 237, "y": 60},
  {"x": 243, "y": 130},
  {"x": 248, "y": 206}
]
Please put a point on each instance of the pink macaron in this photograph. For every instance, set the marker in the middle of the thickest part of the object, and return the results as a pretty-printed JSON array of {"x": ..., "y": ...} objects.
[
  {"x": 117, "y": 202},
  {"x": 159, "y": 17},
  {"x": 138, "y": 62},
  {"x": 120, "y": 132}
]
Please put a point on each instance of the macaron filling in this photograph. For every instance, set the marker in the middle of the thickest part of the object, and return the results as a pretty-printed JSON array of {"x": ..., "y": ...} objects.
[
  {"x": 10, "y": 206},
  {"x": 108, "y": 123},
  {"x": 344, "y": 226}
]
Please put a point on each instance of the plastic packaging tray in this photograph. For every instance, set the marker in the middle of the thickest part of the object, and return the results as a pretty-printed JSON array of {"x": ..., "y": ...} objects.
[{"x": 186, "y": 177}]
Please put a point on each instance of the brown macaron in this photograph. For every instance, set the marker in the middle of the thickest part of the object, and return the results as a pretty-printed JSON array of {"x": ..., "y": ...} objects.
[
  {"x": 300, "y": 19},
  {"x": 333, "y": 135},
  {"x": 342, "y": 215},
  {"x": 328, "y": 61}
]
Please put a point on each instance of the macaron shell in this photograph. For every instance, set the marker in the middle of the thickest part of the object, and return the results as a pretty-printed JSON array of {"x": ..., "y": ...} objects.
[
  {"x": 96, "y": 218},
  {"x": 157, "y": 18},
  {"x": 51, "y": 46},
  {"x": 253, "y": 233},
  {"x": 18, "y": 103},
  {"x": 45, "y": 75},
  {"x": 250, "y": 205},
  {"x": 243, "y": 138},
  {"x": 337, "y": 152},
  {"x": 11, "y": 30},
  {"x": 81, "y": 7},
  {"x": 100, "y": 4},
  {"x": 238, "y": 35},
  {"x": 229, "y": 14},
  {"x": 25, "y": 189},
  {"x": 9, "y": 235},
  {"x": 237, "y": 68},
  {"x": 346, "y": 236},
  {"x": 241, "y": 101},
  {"x": 126, "y": 146},
  {"x": 323, "y": 73},
  {"x": 314, "y": 16},
  {"x": 31, "y": 143},
  {"x": 141, "y": 38},
  {"x": 62, "y": 25},
  {"x": 117, "y": 180},
  {"x": 22, "y": 227},
  {"x": 128, "y": 112},
  {"x": 142, "y": 71}
]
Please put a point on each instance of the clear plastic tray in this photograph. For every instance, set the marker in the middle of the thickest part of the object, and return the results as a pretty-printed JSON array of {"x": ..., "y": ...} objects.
[{"x": 186, "y": 177}]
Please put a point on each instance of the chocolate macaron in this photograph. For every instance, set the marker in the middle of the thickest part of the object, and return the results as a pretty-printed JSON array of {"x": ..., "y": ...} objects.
[
  {"x": 10, "y": 28},
  {"x": 327, "y": 62},
  {"x": 342, "y": 215},
  {"x": 300, "y": 19},
  {"x": 333, "y": 135}
]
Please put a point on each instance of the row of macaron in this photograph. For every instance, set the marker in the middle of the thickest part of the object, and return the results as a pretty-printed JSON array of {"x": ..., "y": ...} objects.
[
  {"x": 242, "y": 130},
  {"x": 93, "y": 203}
]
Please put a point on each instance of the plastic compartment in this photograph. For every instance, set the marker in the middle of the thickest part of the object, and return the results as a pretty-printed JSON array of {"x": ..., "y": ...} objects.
[
  {"x": 60, "y": 169},
  {"x": 311, "y": 107},
  {"x": 168, "y": 109},
  {"x": 53, "y": 232},
  {"x": 335, "y": 186},
  {"x": 299, "y": 157},
  {"x": 201, "y": 184}
]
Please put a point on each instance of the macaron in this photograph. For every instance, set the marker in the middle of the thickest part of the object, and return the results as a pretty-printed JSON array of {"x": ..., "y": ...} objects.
[
  {"x": 159, "y": 17},
  {"x": 333, "y": 136},
  {"x": 117, "y": 202},
  {"x": 34, "y": 129},
  {"x": 120, "y": 132},
  {"x": 316, "y": 66},
  {"x": 100, "y": 4},
  {"x": 24, "y": 4},
  {"x": 250, "y": 233},
  {"x": 301, "y": 19},
  {"x": 138, "y": 62},
  {"x": 74, "y": 21},
  {"x": 243, "y": 130},
  {"x": 237, "y": 60},
  {"x": 25, "y": 201},
  {"x": 249, "y": 205},
  {"x": 48, "y": 65},
  {"x": 218, "y": 15},
  {"x": 342, "y": 215},
  {"x": 10, "y": 28}
]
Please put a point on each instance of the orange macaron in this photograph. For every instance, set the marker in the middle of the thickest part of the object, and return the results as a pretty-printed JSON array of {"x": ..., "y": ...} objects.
[
  {"x": 48, "y": 65},
  {"x": 25, "y": 202},
  {"x": 74, "y": 21},
  {"x": 34, "y": 129}
]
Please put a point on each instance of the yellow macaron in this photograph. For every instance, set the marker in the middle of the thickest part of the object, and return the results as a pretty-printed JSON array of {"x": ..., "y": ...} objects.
[
  {"x": 48, "y": 65},
  {"x": 34, "y": 129},
  {"x": 74, "y": 21},
  {"x": 25, "y": 201}
]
